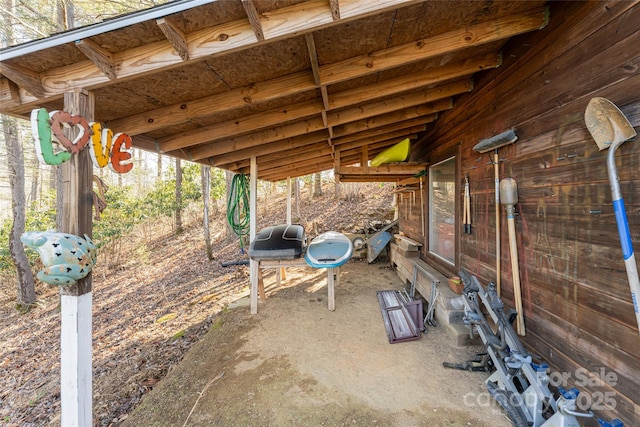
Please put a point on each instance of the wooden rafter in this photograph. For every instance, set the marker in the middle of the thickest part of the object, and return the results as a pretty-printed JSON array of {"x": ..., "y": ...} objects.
[
  {"x": 29, "y": 80},
  {"x": 156, "y": 56},
  {"x": 230, "y": 36},
  {"x": 227, "y": 101},
  {"x": 335, "y": 9},
  {"x": 278, "y": 133},
  {"x": 414, "y": 81},
  {"x": 233, "y": 127},
  {"x": 269, "y": 148},
  {"x": 303, "y": 89},
  {"x": 389, "y": 119},
  {"x": 290, "y": 85},
  {"x": 304, "y": 145},
  {"x": 272, "y": 118},
  {"x": 254, "y": 19},
  {"x": 452, "y": 41},
  {"x": 102, "y": 58},
  {"x": 315, "y": 68},
  {"x": 175, "y": 36},
  {"x": 391, "y": 135},
  {"x": 399, "y": 102},
  {"x": 9, "y": 93}
]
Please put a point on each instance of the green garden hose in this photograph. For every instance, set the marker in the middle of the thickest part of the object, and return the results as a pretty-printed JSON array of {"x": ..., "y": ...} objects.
[{"x": 238, "y": 207}]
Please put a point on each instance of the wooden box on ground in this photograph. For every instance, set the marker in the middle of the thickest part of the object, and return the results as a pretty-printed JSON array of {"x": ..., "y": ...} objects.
[{"x": 407, "y": 247}]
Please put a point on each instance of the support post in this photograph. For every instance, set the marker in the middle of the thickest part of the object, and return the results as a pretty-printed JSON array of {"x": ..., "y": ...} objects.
[
  {"x": 253, "y": 202},
  {"x": 76, "y": 387},
  {"x": 288, "y": 200}
]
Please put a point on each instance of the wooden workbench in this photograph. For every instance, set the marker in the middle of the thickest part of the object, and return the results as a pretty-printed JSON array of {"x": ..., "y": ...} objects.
[{"x": 333, "y": 275}]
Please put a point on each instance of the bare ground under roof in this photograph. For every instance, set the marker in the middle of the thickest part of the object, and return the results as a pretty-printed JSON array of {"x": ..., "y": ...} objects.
[{"x": 296, "y": 363}]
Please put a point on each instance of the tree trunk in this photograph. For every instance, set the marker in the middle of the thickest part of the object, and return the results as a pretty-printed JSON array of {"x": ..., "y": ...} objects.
[
  {"x": 228, "y": 176},
  {"x": 317, "y": 187},
  {"x": 179, "y": 228},
  {"x": 15, "y": 159},
  {"x": 59, "y": 196},
  {"x": 33, "y": 195},
  {"x": 205, "y": 175}
]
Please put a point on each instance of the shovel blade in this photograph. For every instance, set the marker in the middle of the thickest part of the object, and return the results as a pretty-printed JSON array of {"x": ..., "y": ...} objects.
[{"x": 606, "y": 123}]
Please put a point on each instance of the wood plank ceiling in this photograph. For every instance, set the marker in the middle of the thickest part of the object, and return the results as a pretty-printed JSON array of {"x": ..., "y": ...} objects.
[{"x": 305, "y": 86}]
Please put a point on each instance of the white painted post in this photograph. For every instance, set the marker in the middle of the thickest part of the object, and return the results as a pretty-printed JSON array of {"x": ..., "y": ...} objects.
[
  {"x": 76, "y": 382},
  {"x": 75, "y": 360},
  {"x": 253, "y": 202}
]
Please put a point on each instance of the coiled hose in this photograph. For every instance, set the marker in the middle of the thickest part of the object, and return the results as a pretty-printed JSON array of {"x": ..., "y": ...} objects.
[{"x": 238, "y": 207}]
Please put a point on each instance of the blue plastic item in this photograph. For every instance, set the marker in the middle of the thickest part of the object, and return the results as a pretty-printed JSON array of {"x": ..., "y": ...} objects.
[
  {"x": 613, "y": 423},
  {"x": 328, "y": 250}
]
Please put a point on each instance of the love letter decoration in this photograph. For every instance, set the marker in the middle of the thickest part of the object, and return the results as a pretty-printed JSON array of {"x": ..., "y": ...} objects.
[
  {"x": 105, "y": 148},
  {"x": 61, "y": 120}
]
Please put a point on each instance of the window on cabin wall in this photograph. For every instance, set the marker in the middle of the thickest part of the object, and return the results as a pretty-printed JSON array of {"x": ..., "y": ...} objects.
[{"x": 442, "y": 221}]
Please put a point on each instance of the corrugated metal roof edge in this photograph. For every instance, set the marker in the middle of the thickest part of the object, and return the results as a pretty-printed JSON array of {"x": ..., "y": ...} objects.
[{"x": 100, "y": 28}]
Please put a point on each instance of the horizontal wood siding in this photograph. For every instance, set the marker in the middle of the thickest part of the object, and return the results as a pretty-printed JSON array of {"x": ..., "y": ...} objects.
[{"x": 577, "y": 304}]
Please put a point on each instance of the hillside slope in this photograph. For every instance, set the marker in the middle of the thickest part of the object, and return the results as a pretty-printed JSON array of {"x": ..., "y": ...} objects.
[{"x": 152, "y": 300}]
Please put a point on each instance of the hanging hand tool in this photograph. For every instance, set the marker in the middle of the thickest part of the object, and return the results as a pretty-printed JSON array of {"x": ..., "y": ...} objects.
[
  {"x": 509, "y": 197},
  {"x": 467, "y": 207},
  {"x": 485, "y": 145},
  {"x": 610, "y": 128}
]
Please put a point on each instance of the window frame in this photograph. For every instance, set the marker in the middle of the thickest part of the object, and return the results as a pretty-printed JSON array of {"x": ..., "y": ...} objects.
[{"x": 443, "y": 265}]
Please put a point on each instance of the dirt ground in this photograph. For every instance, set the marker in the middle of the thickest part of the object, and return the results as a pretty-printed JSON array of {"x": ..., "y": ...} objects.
[
  {"x": 295, "y": 363},
  {"x": 167, "y": 341}
]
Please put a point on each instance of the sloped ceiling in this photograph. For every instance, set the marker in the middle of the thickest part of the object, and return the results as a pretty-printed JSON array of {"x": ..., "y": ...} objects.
[{"x": 304, "y": 86}]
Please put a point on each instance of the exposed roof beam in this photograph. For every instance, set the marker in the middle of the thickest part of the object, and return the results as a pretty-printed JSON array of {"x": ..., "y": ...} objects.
[
  {"x": 392, "y": 118},
  {"x": 315, "y": 68},
  {"x": 239, "y": 126},
  {"x": 399, "y": 102},
  {"x": 175, "y": 36},
  {"x": 368, "y": 138},
  {"x": 374, "y": 148},
  {"x": 323, "y": 164},
  {"x": 312, "y": 146},
  {"x": 290, "y": 85},
  {"x": 315, "y": 14},
  {"x": 494, "y": 30},
  {"x": 266, "y": 119},
  {"x": 99, "y": 56},
  {"x": 227, "y": 37},
  {"x": 29, "y": 80},
  {"x": 273, "y": 162},
  {"x": 414, "y": 81},
  {"x": 268, "y": 148},
  {"x": 284, "y": 172},
  {"x": 267, "y": 142},
  {"x": 100, "y": 28},
  {"x": 9, "y": 93},
  {"x": 266, "y": 91},
  {"x": 302, "y": 146},
  {"x": 254, "y": 18},
  {"x": 218, "y": 103},
  {"x": 264, "y": 137}
]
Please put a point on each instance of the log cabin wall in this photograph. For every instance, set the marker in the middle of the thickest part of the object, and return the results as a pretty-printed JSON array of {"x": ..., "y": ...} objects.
[{"x": 577, "y": 304}]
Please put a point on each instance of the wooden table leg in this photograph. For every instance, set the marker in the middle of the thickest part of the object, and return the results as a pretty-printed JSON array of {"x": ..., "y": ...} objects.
[
  {"x": 263, "y": 296},
  {"x": 330, "y": 288}
]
